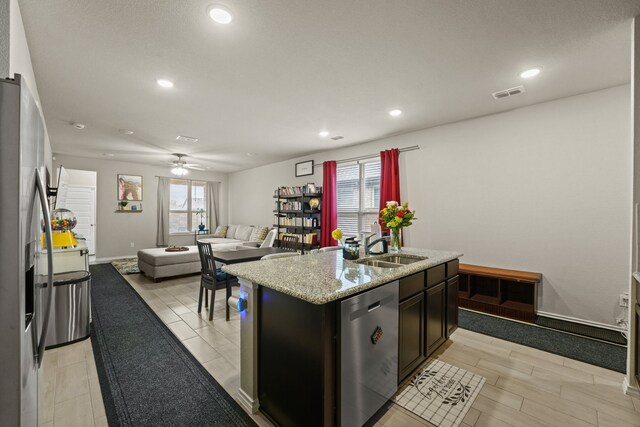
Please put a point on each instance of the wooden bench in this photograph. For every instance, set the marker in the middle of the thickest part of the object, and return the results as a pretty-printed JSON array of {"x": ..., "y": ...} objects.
[{"x": 507, "y": 293}]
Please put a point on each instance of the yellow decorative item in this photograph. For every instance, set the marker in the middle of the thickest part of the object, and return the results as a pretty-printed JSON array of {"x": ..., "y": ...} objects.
[
  {"x": 314, "y": 203},
  {"x": 336, "y": 234},
  {"x": 61, "y": 239},
  {"x": 62, "y": 222}
]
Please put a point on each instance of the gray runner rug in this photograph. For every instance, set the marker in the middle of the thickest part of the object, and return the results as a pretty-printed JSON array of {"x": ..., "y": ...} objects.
[{"x": 147, "y": 377}]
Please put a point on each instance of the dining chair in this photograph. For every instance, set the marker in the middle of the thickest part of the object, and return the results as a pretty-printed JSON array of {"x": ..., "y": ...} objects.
[
  {"x": 210, "y": 278},
  {"x": 330, "y": 248},
  {"x": 280, "y": 255},
  {"x": 289, "y": 243},
  {"x": 269, "y": 239}
]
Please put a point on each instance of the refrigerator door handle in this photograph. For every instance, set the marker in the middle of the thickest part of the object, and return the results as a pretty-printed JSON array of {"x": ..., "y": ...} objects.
[{"x": 49, "y": 241}]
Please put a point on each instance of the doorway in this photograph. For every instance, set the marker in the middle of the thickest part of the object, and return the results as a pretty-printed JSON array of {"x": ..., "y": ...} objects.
[{"x": 77, "y": 192}]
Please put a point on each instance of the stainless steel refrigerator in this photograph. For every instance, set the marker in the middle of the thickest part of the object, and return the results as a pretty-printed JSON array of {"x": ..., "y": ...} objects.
[{"x": 25, "y": 296}]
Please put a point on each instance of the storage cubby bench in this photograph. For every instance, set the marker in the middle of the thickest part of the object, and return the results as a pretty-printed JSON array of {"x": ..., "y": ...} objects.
[{"x": 508, "y": 293}]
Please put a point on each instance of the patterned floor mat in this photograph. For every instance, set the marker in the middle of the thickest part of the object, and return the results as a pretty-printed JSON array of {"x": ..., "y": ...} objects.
[{"x": 441, "y": 393}]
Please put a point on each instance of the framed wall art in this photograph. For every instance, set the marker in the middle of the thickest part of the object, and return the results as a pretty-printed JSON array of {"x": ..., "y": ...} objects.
[
  {"x": 304, "y": 168},
  {"x": 130, "y": 188}
]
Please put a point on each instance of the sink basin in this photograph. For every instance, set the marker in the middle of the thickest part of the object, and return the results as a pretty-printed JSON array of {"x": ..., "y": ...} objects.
[
  {"x": 402, "y": 259},
  {"x": 379, "y": 263}
]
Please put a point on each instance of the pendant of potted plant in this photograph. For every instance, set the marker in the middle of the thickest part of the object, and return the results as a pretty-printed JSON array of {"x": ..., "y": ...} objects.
[{"x": 201, "y": 213}]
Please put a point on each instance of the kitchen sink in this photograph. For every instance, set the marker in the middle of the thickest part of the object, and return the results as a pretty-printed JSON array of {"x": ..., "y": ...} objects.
[
  {"x": 391, "y": 261},
  {"x": 402, "y": 259},
  {"x": 378, "y": 263}
]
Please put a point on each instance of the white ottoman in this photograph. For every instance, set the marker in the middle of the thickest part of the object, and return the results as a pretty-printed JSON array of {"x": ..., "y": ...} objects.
[{"x": 157, "y": 263}]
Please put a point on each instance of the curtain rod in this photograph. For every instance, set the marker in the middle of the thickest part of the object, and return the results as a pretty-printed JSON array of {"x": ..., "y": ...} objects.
[
  {"x": 186, "y": 179},
  {"x": 370, "y": 156}
]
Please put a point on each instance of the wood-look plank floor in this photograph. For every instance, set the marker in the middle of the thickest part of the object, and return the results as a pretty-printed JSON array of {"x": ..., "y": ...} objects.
[{"x": 524, "y": 386}]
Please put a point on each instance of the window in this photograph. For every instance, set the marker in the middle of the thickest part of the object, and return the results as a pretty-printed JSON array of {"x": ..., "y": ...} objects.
[
  {"x": 185, "y": 198},
  {"x": 358, "y": 187}
]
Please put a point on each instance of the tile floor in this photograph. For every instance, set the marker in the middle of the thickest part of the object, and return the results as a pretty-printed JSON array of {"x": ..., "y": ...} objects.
[{"x": 524, "y": 386}]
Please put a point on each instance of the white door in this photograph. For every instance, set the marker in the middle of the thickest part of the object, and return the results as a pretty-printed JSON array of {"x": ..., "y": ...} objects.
[{"x": 81, "y": 201}]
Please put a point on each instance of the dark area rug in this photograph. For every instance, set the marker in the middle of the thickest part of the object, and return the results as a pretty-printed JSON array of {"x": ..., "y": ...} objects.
[
  {"x": 605, "y": 355},
  {"x": 147, "y": 377}
]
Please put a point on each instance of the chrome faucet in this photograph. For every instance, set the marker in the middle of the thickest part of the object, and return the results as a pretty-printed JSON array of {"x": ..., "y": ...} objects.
[{"x": 368, "y": 244}]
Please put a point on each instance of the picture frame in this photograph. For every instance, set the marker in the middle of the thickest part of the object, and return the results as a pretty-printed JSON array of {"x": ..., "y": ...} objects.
[
  {"x": 129, "y": 188},
  {"x": 311, "y": 188},
  {"x": 304, "y": 168}
]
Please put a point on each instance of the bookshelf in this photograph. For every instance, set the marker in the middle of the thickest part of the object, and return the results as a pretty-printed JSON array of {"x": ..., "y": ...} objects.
[{"x": 294, "y": 216}]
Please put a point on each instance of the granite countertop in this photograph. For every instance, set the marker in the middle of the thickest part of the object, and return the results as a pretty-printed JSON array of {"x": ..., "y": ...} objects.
[{"x": 324, "y": 277}]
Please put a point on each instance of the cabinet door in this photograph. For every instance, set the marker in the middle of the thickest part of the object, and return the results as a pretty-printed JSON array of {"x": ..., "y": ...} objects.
[
  {"x": 436, "y": 320},
  {"x": 452, "y": 305},
  {"x": 411, "y": 349}
]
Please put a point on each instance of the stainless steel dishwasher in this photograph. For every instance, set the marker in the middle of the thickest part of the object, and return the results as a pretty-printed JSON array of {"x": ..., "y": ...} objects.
[{"x": 368, "y": 370}]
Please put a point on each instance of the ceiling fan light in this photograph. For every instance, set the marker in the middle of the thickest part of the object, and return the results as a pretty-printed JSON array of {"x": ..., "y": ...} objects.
[{"x": 179, "y": 171}]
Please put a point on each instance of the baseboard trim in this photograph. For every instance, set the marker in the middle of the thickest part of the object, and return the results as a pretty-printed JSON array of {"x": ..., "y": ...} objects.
[
  {"x": 582, "y": 321},
  {"x": 249, "y": 404},
  {"x": 630, "y": 390}
]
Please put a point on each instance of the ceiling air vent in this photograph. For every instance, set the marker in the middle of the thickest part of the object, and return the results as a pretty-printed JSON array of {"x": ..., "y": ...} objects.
[
  {"x": 508, "y": 92},
  {"x": 337, "y": 138}
]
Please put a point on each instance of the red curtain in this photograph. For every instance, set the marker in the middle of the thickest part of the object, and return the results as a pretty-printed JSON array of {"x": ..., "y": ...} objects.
[
  {"x": 389, "y": 177},
  {"x": 329, "y": 215}
]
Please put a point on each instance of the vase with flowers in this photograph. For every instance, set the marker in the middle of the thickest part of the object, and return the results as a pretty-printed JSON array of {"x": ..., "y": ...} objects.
[{"x": 395, "y": 217}]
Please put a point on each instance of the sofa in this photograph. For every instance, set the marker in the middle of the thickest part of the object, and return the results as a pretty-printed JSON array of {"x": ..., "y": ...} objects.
[{"x": 157, "y": 263}]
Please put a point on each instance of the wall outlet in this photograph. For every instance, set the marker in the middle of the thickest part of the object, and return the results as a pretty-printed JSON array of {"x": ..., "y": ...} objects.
[
  {"x": 621, "y": 322},
  {"x": 624, "y": 299},
  {"x": 133, "y": 245}
]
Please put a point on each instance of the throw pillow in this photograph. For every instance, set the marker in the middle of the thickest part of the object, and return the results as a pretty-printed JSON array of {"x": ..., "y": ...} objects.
[
  {"x": 243, "y": 232},
  {"x": 231, "y": 231},
  {"x": 258, "y": 235},
  {"x": 221, "y": 231}
]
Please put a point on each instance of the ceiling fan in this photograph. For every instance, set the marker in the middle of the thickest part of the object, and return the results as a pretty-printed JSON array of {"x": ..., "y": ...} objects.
[{"x": 180, "y": 166}]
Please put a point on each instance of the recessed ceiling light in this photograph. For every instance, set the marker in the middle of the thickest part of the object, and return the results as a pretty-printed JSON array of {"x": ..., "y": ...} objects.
[
  {"x": 220, "y": 14},
  {"x": 395, "y": 113},
  {"x": 531, "y": 72},
  {"x": 165, "y": 83},
  {"x": 251, "y": 154},
  {"x": 323, "y": 133},
  {"x": 187, "y": 138},
  {"x": 77, "y": 125},
  {"x": 125, "y": 131}
]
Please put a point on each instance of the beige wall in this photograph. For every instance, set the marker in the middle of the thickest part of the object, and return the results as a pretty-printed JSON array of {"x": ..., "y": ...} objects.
[
  {"x": 545, "y": 188},
  {"x": 116, "y": 231},
  {"x": 633, "y": 387},
  {"x": 4, "y": 38},
  {"x": 20, "y": 63}
]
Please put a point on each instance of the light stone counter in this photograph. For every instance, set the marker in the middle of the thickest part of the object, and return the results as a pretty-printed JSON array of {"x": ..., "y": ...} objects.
[{"x": 325, "y": 277}]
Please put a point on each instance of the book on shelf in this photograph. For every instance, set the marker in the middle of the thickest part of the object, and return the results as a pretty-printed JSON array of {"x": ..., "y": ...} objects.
[
  {"x": 297, "y": 190},
  {"x": 287, "y": 205},
  {"x": 295, "y": 221},
  {"x": 308, "y": 238}
]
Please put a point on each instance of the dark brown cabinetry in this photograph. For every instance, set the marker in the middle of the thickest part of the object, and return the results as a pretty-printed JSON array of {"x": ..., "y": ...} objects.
[
  {"x": 452, "y": 305},
  {"x": 436, "y": 317},
  {"x": 411, "y": 352},
  {"x": 428, "y": 314}
]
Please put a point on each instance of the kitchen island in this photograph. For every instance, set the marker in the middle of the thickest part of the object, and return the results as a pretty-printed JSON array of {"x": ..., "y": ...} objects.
[{"x": 297, "y": 364}]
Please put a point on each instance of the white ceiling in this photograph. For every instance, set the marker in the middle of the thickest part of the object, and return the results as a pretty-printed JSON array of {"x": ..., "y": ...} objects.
[{"x": 285, "y": 69}]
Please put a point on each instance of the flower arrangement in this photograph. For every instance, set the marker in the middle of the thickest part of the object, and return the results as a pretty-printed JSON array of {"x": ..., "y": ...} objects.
[
  {"x": 337, "y": 235},
  {"x": 395, "y": 217}
]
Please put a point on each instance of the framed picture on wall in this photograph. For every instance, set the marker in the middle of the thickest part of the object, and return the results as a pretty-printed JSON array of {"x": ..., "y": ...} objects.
[
  {"x": 304, "y": 168},
  {"x": 130, "y": 188}
]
